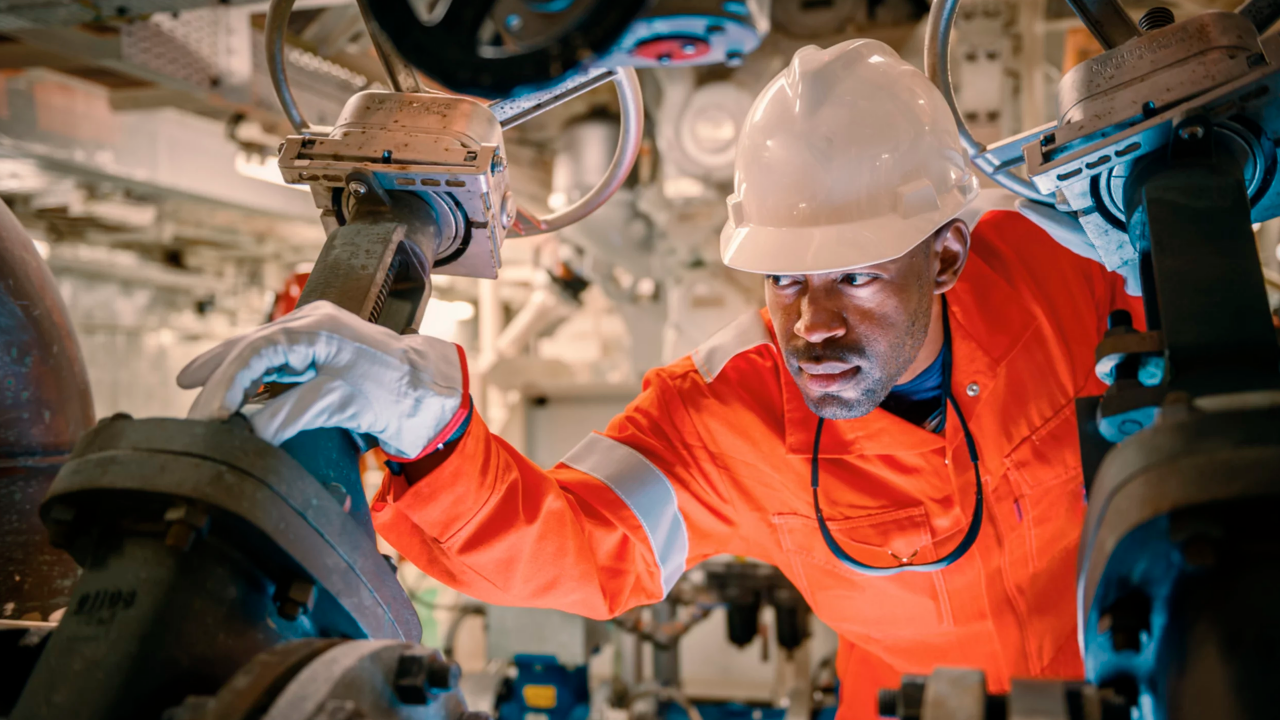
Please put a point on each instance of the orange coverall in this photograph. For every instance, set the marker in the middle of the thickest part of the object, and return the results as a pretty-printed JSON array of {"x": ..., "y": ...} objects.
[{"x": 713, "y": 457}]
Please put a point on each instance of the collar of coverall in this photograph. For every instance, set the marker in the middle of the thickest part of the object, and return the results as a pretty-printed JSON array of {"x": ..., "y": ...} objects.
[{"x": 989, "y": 319}]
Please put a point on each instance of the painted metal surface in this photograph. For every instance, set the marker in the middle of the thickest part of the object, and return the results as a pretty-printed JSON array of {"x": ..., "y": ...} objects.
[{"x": 44, "y": 407}]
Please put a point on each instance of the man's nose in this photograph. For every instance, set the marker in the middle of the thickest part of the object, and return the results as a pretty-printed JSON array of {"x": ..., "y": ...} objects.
[{"x": 819, "y": 321}]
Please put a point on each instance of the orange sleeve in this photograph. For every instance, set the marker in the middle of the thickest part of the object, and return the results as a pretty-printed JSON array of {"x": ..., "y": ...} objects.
[
  {"x": 1076, "y": 294},
  {"x": 609, "y": 528}
]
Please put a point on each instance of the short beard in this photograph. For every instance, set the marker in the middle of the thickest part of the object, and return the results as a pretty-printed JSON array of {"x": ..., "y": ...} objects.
[{"x": 836, "y": 407}]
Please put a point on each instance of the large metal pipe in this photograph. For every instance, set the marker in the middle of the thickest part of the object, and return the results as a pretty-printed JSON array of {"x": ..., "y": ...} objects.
[{"x": 44, "y": 407}]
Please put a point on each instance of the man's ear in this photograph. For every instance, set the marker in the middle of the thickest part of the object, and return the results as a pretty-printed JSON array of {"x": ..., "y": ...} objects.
[{"x": 951, "y": 248}]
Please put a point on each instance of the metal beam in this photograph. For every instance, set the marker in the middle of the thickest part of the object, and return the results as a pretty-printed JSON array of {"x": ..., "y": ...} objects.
[
  {"x": 401, "y": 74},
  {"x": 1107, "y": 21}
]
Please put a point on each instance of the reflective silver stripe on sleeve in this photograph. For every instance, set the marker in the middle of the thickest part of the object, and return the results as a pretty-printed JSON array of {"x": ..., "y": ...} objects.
[{"x": 646, "y": 491}]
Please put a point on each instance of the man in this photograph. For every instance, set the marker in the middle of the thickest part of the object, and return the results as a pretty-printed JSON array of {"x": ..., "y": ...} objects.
[{"x": 898, "y": 346}]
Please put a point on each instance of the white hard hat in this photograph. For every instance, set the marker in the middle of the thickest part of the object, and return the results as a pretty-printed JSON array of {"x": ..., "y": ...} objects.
[{"x": 849, "y": 157}]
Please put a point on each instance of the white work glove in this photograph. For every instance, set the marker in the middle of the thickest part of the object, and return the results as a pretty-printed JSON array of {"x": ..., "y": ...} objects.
[
  {"x": 1066, "y": 229},
  {"x": 406, "y": 390}
]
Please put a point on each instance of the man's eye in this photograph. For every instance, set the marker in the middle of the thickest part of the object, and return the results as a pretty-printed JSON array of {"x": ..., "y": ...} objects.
[
  {"x": 784, "y": 281},
  {"x": 856, "y": 279}
]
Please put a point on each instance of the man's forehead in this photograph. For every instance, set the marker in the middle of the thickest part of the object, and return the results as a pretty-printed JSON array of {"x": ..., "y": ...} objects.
[
  {"x": 884, "y": 267},
  {"x": 892, "y": 266}
]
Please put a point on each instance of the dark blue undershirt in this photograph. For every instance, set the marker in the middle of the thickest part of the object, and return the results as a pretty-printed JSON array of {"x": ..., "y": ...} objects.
[{"x": 919, "y": 400}]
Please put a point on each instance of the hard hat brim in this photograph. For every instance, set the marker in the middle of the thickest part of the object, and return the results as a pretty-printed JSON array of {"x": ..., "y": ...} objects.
[{"x": 833, "y": 248}]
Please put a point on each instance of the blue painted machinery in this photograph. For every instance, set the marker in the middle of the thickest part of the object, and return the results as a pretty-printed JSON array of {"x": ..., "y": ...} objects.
[{"x": 543, "y": 689}]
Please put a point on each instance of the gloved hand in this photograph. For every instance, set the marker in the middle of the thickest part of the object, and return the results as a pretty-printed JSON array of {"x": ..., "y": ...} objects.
[
  {"x": 1066, "y": 229},
  {"x": 409, "y": 391}
]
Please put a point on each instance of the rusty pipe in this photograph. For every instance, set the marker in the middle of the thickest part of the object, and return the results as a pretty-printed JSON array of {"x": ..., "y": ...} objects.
[{"x": 44, "y": 407}]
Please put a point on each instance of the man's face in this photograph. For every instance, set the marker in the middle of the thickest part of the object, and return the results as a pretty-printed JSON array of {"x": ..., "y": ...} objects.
[{"x": 847, "y": 337}]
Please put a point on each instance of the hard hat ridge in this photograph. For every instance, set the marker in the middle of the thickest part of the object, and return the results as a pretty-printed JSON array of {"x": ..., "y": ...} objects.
[{"x": 849, "y": 157}]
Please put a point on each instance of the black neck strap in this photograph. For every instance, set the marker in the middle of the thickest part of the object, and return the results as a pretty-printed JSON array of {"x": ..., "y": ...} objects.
[{"x": 975, "y": 523}]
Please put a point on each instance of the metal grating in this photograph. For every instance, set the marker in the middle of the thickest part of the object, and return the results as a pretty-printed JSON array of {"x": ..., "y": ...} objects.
[{"x": 183, "y": 47}]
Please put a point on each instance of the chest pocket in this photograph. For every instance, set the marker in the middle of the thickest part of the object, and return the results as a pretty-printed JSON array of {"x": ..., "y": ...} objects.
[
  {"x": 856, "y": 604},
  {"x": 1048, "y": 483}
]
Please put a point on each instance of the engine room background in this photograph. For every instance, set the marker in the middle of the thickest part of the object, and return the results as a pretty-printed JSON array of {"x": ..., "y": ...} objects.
[{"x": 138, "y": 150}]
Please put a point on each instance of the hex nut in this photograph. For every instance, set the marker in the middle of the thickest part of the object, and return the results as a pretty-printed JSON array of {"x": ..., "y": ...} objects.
[
  {"x": 187, "y": 521},
  {"x": 410, "y": 682},
  {"x": 295, "y": 599},
  {"x": 420, "y": 672}
]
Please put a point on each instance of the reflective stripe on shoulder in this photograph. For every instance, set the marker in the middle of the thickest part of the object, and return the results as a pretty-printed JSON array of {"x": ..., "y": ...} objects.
[
  {"x": 646, "y": 491},
  {"x": 737, "y": 337}
]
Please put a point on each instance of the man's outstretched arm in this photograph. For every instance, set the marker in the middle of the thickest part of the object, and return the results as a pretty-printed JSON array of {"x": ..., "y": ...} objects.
[{"x": 611, "y": 527}]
